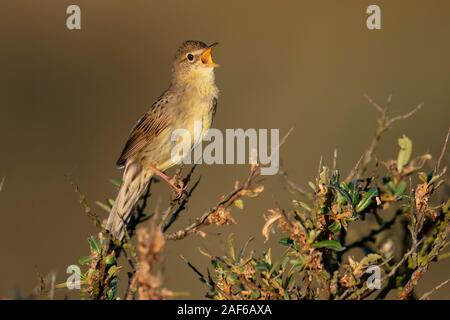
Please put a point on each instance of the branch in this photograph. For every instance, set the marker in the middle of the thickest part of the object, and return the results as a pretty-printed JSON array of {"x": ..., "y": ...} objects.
[
  {"x": 87, "y": 209},
  {"x": 182, "y": 206},
  {"x": 444, "y": 147},
  {"x": 409, "y": 287},
  {"x": 291, "y": 184},
  {"x": 372, "y": 234},
  {"x": 384, "y": 123},
  {"x": 224, "y": 203},
  {"x": 166, "y": 222},
  {"x": 426, "y": 295}
]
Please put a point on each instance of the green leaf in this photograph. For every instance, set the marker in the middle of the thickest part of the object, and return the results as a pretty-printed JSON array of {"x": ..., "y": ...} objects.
[
  {"x": 111, "y": 202},
  {"x": 405, "y": 152},
  {"x": 329, "y": 244},
  {"x": 400, "y": 188},
  {"x": 354, "y": 193},
  {"x": 93, "y": 244},
  {"x": 335, "y": 185},
  {"x": 335, "y": 227},
  {"x": 110, "y": 260},
  {"x": 324, "y": 175},
  {"x": 344, "y": 185},
  {"x": 433, "y": 179},
  {"x": 268, "y": 256},
  {"x": 230, "y": 242},
  {"x": 301, "y": 204},
  {"x": 262, "y": 266},
  {"x": 215, "y": 263},
  {"x": 287, "y": 281},
  {"x": 113, "y": 271},
  {"x": 297, "y": 247},
  {"x": 423, "y": 177},
  {"x": 239, "y": 203},
  {"x": 446, "y": 206},
  {"x": 367, "y": 199},
  {"x": 340, "y": 200},
  {"x": 85, "y": 260},
  {"x": 111, "y": 294},
  {"x": 103, "y": 206},
  {"x": 286, "y": 242},
  {"x": 232, "y": 278},
  {"x": 115, "y": 182},
  {"x": 300, "y": 261},
  {"x": 241, "y": 253},
  {"x": 280, "y": 263},
  {"x": 391, "y": 186},
  {"x": 371, "y": 258}
]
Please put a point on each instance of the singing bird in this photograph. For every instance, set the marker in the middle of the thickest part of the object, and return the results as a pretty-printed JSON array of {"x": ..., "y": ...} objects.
[{"x": 191, "y": 98}]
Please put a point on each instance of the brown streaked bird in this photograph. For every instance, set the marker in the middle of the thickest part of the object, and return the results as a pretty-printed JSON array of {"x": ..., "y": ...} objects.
[{"x": 191, "y": 96}]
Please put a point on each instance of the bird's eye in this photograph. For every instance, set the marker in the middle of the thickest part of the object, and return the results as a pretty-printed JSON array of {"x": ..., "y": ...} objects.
[{"x": 190, "y": 56}]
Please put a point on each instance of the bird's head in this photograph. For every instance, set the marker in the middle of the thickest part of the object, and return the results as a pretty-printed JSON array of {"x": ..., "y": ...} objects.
[{"x": 193, "y": 61}]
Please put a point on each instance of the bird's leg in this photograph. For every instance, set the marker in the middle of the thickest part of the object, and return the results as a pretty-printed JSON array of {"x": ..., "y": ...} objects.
[{"x": 179, "y": 190}]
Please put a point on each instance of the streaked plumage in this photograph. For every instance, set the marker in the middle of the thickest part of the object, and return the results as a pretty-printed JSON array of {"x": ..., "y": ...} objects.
[{"x": 192, "y": 96}]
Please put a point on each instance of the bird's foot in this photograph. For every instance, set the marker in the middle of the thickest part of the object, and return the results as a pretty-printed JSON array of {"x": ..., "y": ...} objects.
[
  {"x": 175, "y": 183},
  {"x": 179, "y": 188}
]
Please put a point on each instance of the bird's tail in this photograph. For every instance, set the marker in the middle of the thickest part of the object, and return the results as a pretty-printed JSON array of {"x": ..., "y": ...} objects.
[{"x": 135, "y": 180}]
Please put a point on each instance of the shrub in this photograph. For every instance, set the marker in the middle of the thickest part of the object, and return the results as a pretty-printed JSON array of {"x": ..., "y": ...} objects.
[{"x": 399, "y": 198}]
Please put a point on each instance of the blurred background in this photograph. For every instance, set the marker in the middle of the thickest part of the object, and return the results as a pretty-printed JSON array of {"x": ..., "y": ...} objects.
[{"x": 69, "y": 98}]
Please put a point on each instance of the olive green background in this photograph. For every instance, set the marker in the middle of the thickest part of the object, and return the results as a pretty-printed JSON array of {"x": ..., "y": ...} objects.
[{"x": 69, "y": 98}]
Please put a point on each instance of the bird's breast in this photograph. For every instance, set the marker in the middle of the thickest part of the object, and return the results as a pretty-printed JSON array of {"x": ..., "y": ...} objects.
[
  {"x": 190, "y": 110},
  {"x": 197, "y": 106}
]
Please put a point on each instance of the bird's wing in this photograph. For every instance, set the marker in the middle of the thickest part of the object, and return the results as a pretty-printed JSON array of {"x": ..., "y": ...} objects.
[{"x": 146, "y": 129}]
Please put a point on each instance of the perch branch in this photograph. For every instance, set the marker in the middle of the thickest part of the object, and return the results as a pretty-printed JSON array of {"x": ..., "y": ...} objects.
[{"x": 225, "y": 202}]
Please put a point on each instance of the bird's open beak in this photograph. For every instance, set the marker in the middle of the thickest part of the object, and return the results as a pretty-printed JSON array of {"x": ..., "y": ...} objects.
[{"x": 206, "y": 56}]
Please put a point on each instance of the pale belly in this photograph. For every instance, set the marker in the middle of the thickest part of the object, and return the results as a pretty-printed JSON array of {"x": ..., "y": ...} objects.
[{"x": 194, "y": 119}]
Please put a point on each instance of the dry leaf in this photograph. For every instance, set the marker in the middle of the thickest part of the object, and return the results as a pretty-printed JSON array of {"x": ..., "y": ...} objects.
[{"x": 274, "y": 216}]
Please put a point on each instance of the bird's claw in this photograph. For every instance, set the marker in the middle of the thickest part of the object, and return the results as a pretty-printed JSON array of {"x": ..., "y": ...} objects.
[
  {"x": 180, "y": 190},
  {"x": 180, "y": 193}
]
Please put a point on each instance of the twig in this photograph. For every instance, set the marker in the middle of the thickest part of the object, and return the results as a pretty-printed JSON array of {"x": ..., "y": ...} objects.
[
  {"x": 363, "y": 290},
  {"x": 87, "y": 209},
  {"x": 283, "y": 140},
  {"x": 355, "y": 169},
  {"x": 175, "y": 214},
  {"x": 166, "y": 222},
  {"x": 335, "y": 158},
  {"x": 444, "y": 147},
  {"x": 226, "y": 201},
  {"x": 408, "y": 288},
  {"x": 384, "y": 123},
  {"x": 436, "y": 247},
  {"x": 294, "y": 186},
  {"x": 429, "y": 293},
  {"x": 405, "y": 116},
  {"x": 372, "y": 234},
  {"x": 402, "y": 260},
  {"x": 377, "y": 106}
]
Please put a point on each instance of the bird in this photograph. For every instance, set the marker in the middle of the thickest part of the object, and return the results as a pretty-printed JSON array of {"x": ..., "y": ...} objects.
[{"x": 191, "y": 97}]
